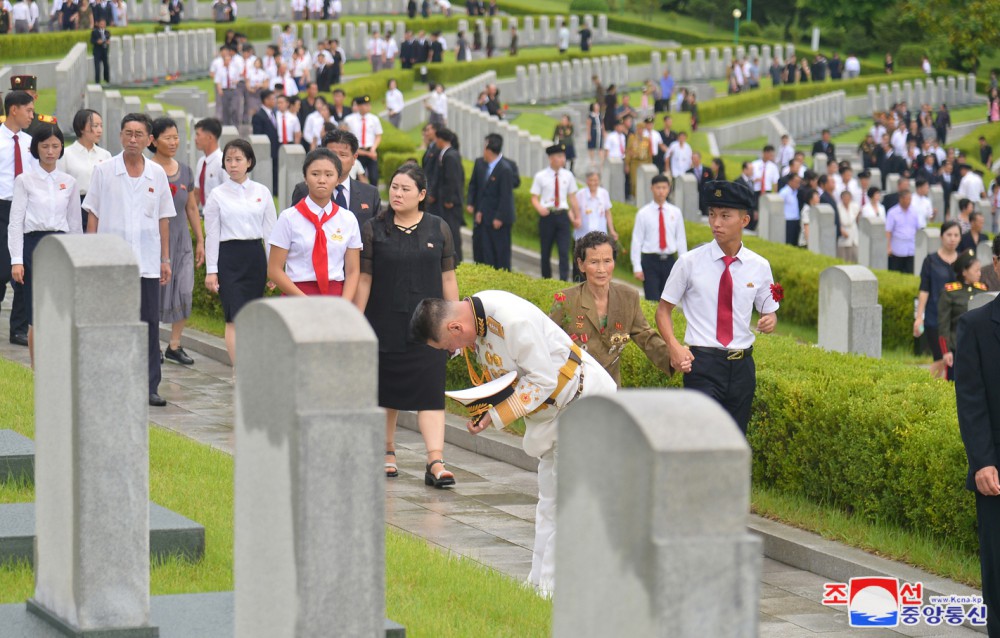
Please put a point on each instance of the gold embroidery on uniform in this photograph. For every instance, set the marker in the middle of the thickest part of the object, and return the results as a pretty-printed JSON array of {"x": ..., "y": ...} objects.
[{"x": 494, "y": 326}]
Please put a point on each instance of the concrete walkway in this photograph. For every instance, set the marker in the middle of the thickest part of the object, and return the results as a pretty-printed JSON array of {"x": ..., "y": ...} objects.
[{"x": 489, "y": 516}]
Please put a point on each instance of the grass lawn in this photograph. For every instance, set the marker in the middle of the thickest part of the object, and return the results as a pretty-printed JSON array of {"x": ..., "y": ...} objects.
[
  {"x": 429, "y": 592},
  {"x": 536, "y": 124}
]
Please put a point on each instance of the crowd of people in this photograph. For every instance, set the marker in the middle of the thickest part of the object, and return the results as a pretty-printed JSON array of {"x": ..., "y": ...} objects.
[{"x": 22, "y": 16}]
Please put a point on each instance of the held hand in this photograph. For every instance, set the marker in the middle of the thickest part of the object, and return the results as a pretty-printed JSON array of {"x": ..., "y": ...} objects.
[
  {"x": 577, "y": 222},
  {"x": 681, "y": 359},
  {"x": 164, "y": 274},
  {"x": 497, "y": 224},
  {"x": 949, "y": 359},
  {"x": 17, "y": 273},
  {"x": 543, "y": 212},
  {"x": 639, "y": 275},
  {"x": 199, "y": 254},
  {"x": 987, "y": 482},
  {"x": 918, "y": 328},
  {"x": 476, "y": 428},
  {"x": 212, "y": 283},
  {"x": 271, "y": 285},
  {"x": 614, "y": 235},
  {"x": 767, "y": 323}
]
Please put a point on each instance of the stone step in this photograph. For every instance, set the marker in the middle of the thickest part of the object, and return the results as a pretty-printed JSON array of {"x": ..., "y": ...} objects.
[{"x": 17, "y": 457}]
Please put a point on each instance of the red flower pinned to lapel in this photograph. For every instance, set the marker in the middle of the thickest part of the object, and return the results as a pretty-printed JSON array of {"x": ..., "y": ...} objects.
[
  {"x": 364, "y": 206},
  {"x": 560, "y": 297},
  {"x": 173, "y": 190},
  {"x": 777, "y": 292}
]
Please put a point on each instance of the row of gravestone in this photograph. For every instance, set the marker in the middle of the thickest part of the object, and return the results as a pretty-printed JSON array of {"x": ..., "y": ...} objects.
[
  {"x": 309, "y": 550},
  {"x": 557, "y": 82},
  {"x": 810, "y": 116},
  {"x": 951, "y": 90},
  {"x": 696, "y": 67}
]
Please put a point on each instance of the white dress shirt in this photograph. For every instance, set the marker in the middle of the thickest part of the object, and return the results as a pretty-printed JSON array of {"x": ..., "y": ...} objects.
[
  {"x": 971, "y": 187},
  {"x": 226, "y": 77},
  {"x": 786, "y": 154},
  {"x": 614, "y": 144},
  {"x": 7, "y": 159},
  {"x": 922, "y": 205},
  {"x": 288, "y": 125},
  {"x": 297, "y": 235},
  {"x": 394, "y": 101},
  {"x": 42, "y": 201},
  {"x": 365, "y": 128},
  {"x": 654, "y": 139},
  {"x": 694, "y": 285},
  {"x": 872, "y": 212},
  {"x": 80, "y": 163},
  {"x": 214, "y": 175},
  {"x": 544, "y": 185},
  {"x": 391, "y": 50},
  {"x": 376, "y": 47},
  {"x": 646, "y": 232},
  {"x": 313, "y": 130},
  {"x": 237, "y": 212},
  {"x": 593, "y": 211},
  {"x": 680, "y": 158},
  {"x": 439, "y": 103},
  {"x": 20, "y": 11},
  {"x": 898, "y": 141},
  {"x": 768, "y": 172},
  {"x": 132, "y": 208}
]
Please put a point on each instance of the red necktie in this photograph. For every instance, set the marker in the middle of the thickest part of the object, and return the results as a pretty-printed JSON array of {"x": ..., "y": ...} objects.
[
  {"x": 227, "y": 78},
  {"x": 556, "y": 205},
  {"x": 284, "y": 131},
  {"x": 862, "y": 199},
  {"x": 724, "y": 319},
  {"x": 663, "y": 232},
  {"x": 201, "y": 182},
  {"x": 363, "y": 127},
  {"x": 18, "y": 167},
  {"x": 763, "y": 174},
  {"x": 319, "y": 256}
]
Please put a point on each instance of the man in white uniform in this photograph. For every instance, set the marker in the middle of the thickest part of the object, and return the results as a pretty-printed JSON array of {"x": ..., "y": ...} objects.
[{"x": 509, "y": 334}]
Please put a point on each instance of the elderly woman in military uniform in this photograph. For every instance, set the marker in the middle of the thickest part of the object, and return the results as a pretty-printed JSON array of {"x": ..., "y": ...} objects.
[
  {"x": 954, "y": 302},
  {"x": 602, "y": 316}
]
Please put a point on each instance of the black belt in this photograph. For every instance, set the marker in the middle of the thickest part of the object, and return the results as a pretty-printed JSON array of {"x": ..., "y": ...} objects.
[
  {"x": 660, "y": 256},
  {"x": 731, "y": 354},
  {"x": 558, "y": 211}
]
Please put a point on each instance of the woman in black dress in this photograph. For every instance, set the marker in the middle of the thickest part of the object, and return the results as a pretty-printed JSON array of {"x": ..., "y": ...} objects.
[{"x": 408, "y": 256}]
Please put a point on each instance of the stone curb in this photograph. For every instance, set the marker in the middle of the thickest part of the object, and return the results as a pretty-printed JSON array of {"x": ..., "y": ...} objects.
[{"x": 199, "y": 342}]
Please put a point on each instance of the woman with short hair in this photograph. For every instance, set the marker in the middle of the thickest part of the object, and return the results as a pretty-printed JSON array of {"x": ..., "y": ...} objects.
[{"x": 84, "y": 154}]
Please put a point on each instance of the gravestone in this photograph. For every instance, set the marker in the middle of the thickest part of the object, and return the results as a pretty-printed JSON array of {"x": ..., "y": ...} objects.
[
  {"x": 937, "y": 201},
  {"x": 850, "y": 317},
  {"x": 602, "y": 26},
  {"x": 872, "y": 250},
  {"x": 116, "y": 52},
  {"x": 616, "y": 177},
  {"x": 689, "y": 185},
  {"x": 297, "y": 414},
  {"x": 981, "y": 300},
  {"x": 92, "y": 570},
  {"x": 891, "y": 183},
  {"x": 17, "y": 457},
  {"x": 115, "y": 106},
  {"x": 927, "y": 242},
  {"x": 543, "y": 31},
  {"x": 291, "y": 157},
  {"x": 984, "y": 252},
  {"x": 876, "y": 178},
  {"x": 155, "y": 110},
  {"x": 820, "y": 161},
  {"x": 822, "y": 231},
  {"x": 644, "y": 188},
  {"x": 771, "y": 218},
  {"x": 686, "y": 73},
  {"x": 673, "y": 558},
  {"x": 699, "y": 64}
]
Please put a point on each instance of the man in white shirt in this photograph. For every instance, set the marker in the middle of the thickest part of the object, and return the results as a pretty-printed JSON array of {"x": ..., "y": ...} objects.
[
  {"x": 367, "y": 127},
  {"x": 553, "y": 196},
  {"x": 971, "y": 187},
  {"x": 376, "y": 51},
  {"x": 20, "y": 15},
  {"x": 898, "y": 140},
  {"x": 391, "y": 51},
  {"x": 658, "y": 238},
  {"x": 615, "y": 142},
  {"x": 129, "y": 196},
  {"x": 564, "y": 37},
  {"x": 921, "y": 203},
  {"x": 227, "y": 78},
  {"x": 852, "y": 68},
  {"x": 15, "y": 158},
  {"x": 209, "y": 172},
  {"x": 786, "y": 152},
  {"x": 289, "y": 129},
  {"x": 719, "y": 285},
  {"x": 679, "y": 153}
]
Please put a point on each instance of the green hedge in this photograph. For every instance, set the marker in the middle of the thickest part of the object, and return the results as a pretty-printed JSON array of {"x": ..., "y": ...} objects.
[
  {"x": 970, "y": 145},
  {"x": 261, "y": 30},
  {"x": 875, "y": 438},
  {"x": 727, "y": 106},
  {"x": 374, "y": 85},
  {"x": 53, "y": 45},
  {"x": 857, "y": 86}
]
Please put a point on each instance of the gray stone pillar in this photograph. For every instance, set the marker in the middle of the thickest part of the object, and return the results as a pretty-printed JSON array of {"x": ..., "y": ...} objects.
[
  {"x": 850, "y": 317},
  {"x": 528, "y": 34},
  {"x": 155, "y": 110},
  {"x": 820, "y": 161},
  {"x": 616, "y": 179},
  {"x": 544, "y": 35},
  {"x": 872, "y": 248},
  {"x": 771, "y": 217},
  {"x": 689, "y": 187},
  {"x": 643, "y": 186},
  {"x": 984, "y": 252},
  {"x": 928, "y": 241},
  {"x": 296, "y": 440},
  {"x": 822, "y": 231},
  {"x": 115, "y": 111},
  {"x": 675, "y": 558},
  {"x": 290, "y": 160},
  {"x": 699, "y": 64},
  {"x": 602, "y": 26},
  {"x": 91, "y": 440},
  {"x": 686, "y": 72}
]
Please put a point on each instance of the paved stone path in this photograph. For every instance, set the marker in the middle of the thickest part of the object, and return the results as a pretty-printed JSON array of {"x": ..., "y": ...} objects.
[{"x": 489, "y": 516}]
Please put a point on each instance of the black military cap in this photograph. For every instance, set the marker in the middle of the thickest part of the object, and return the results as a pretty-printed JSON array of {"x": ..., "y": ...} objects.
[
  {"x": 23, "y": 83},
  {"x": 555, "y": 148},
  {"x": 865, "y": 174},
  {"x": 649, "y": 120},
  {"x": 723, "y": 194},
  {"x": 362, "y": 99}
]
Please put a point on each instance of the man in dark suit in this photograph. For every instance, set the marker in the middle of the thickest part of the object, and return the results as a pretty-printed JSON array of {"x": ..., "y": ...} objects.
[
  {"x": 446, "y": 192},
  {"x": 361, "y": 199},
  {"x": 826, "y": 189},
  {"x": 977, "y": 348},
  {"x": 429, "y": 161},
  {"x": 491, "y": 202},
  {"x": 407, "y": 50},
  {"x": 436, "y": 49},
  {"x": 702, "y": 174},
  {"x": 824, "y": 145},
  {"x": 892, "y": 199},
  {"x": 264, "y": 122},
  {"x": 100, "y": 38}
]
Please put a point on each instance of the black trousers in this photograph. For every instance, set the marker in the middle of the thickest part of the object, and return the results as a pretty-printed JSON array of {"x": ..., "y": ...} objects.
[
  {"x": 454, "y": 217},
  {"x": 554, "y": 228},
  {"x": 901, "y": 264},
  {"x": 477, "y": 243},
  {"x": 495, "y": 246},
  {"x": 101, "y": 58},
  {"x": 731, "y": 383},
  {"x": 793, "y": 228},
  {"x": 371, "y": 169},
  {"x": 18, "y": 312},
  {"x": 988, "y": 522},
  {"x": 655, "y": 272},
  {"x": 149, "y": 311}
]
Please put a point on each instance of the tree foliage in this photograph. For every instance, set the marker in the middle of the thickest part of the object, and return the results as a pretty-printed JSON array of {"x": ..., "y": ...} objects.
[{"x": 971, "y": 27}]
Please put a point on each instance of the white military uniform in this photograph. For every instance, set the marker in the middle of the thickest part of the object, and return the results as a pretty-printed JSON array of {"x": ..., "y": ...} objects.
[{"x": 514, "y": 335}]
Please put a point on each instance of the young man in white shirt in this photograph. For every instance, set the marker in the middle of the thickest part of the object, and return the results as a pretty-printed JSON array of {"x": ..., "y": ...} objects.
[
  {"x": 367, "y": 127},
  {"x": 679, "y": 153},
  {"x": 553, "y": 197},
  {"x": 289, "y": 129},
  {"x": 208, "y": 172},
  {"x": 129, "y": 196},
  {"x": 615, "y": 142},
  {"x": 786, "y": 152},
  {"x": 658, "y": 239},
  {"x": 971, "y": 186},
  {"x": 719, "y": 285},
  {"x": 227, "y": 78},
  {"x": 376, "y": 51}
]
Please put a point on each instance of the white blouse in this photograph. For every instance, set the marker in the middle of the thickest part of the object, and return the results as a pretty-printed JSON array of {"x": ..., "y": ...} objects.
[
  {"x": 313, "y": 130},
  {"x": 297, "y": 235},
  {"x": 80, "y": 163},
  {"x": 42, "y": 201},
  {"x": 394, "y": 100},
  {"x": 237, "y": 211}
]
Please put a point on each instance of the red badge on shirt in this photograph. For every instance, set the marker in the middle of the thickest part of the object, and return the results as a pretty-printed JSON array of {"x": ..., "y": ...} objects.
[
  {"x": 364, "y": 207},
  {"x": 258, "y": 200},
  {"x": 151, "y": 190},
  {"x": 62, "y": 187}
]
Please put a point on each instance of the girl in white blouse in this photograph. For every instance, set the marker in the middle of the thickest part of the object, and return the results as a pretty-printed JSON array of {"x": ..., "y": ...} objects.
[
  {"x": 239, "y": 217},
  {"x": 46, "y": 201},
  {"x": 394, "y": 103},
  {"x": 315, "y": 125},
  {"x": 83, "y": 155},
  {"x": 874, "y": 209}
]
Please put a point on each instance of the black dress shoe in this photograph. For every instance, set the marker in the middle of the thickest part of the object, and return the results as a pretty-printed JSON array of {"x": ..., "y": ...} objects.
[
  {"x": 157, "y": 401},
  {"x": 19, "y": 339},
  {"x": 178, "y": 356}
]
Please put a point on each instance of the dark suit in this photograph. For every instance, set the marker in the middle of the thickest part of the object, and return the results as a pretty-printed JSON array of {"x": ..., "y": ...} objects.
[
  {"x": 827, "y": 198},
  {"x": 364, "y": 202},
  {"x": 262, "y": 125},
  {"x": 99, "y": 38},
  {"x": 493, "y": 196},
  {"x": 436, "y": 51},
  {"x": 449, "y": 194},
  {"x": 702, "y": 174},
  {"x": 976, "y": 379},
  {"x": 407, "y": 53},
  {"x": 825, "y": 147}
]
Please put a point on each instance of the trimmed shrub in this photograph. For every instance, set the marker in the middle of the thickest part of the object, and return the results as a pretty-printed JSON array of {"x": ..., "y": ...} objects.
[
  {"x": 600, "y": 6},
  {"x": 375, "y": 84},
  {"x": 970, "y": 146},
  {"x": 857, "y": 86},
  {"x": 53, "y": 45},
  {"x": 874, "y": 438},
  {"x": 727, "y": 106}
]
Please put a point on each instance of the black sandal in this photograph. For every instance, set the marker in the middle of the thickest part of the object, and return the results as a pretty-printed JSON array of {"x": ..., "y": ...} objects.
[
  {"x": 444, "y": 478},
  {"x": 391, "y": 470}
]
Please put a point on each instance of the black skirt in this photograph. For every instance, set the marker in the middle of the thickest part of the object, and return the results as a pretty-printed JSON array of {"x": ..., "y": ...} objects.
[
  {"x": 242, "y": 274},
  {"x": 413, "y": 379},
  {"x": 30, "y": 243}
]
